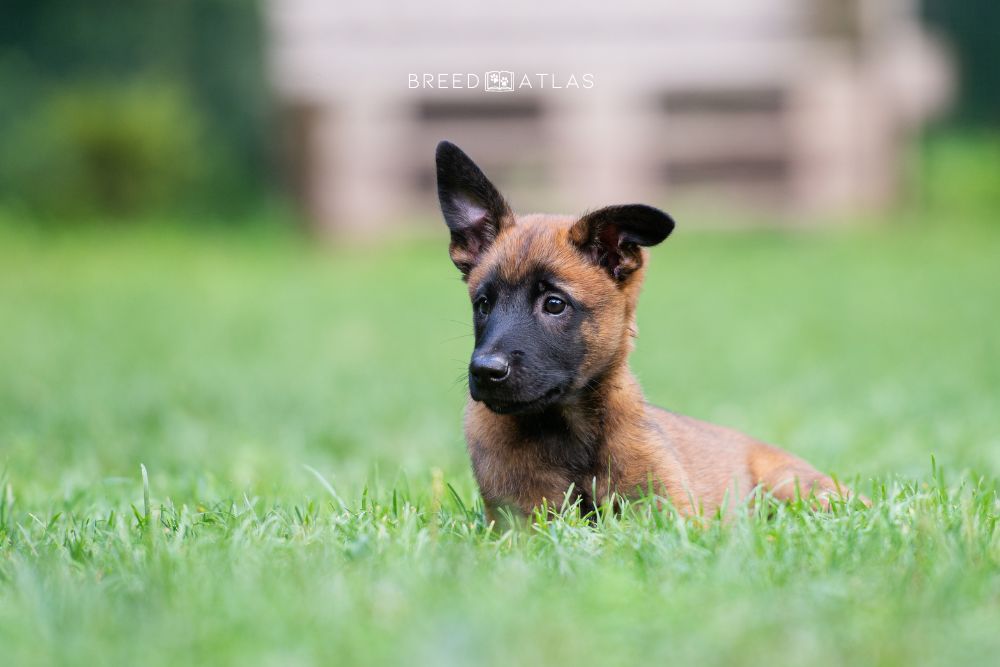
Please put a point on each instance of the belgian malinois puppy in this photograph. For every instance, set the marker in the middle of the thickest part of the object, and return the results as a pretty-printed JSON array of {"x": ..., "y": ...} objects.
[{"x": 553, "y": 405}]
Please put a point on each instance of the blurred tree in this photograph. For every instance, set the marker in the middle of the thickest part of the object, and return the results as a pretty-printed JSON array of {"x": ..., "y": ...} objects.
[
  {"x": 973, "y": 29},
  {"x": 116, "y": 151},
  {"x": 200, "y": 59}
]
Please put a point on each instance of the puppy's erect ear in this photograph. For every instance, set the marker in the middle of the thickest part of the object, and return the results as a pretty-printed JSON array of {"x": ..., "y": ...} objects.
[
  {"x": 473, "y": 209},
  {"x": 611, "y": 236}
]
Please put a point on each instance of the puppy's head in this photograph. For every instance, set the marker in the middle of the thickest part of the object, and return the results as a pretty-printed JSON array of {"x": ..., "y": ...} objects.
[{"x": 553, "y": 297}]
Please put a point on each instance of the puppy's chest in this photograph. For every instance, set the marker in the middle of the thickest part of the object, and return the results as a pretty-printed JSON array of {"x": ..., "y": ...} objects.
[{"x": 523, "y": 469}]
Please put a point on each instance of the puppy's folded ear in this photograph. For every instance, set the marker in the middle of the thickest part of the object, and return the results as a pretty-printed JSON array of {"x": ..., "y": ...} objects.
[
  {"x": 611, "y": 237},
  {"x": 473, "y": 209}
]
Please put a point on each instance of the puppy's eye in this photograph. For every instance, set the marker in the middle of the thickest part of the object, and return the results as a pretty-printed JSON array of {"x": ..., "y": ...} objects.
[
  {"x": 482, "y": 306},
  {"x": 554, "y": 305}
]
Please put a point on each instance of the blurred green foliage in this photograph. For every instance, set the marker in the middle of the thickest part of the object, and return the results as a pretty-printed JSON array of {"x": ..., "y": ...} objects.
[
  {"x": 972, "y": 29},
  {"x": 107, "y": 150},
  {"x": 113, "y": 109}
]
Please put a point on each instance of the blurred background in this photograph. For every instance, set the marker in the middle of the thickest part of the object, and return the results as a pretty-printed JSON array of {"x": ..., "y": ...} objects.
[
  {"x": 789, "y": 111},
  {"x": 220, "y": 250}
]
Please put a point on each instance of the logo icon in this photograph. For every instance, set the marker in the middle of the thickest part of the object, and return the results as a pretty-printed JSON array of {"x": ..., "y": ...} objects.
[{"x": 499, "y": 81}]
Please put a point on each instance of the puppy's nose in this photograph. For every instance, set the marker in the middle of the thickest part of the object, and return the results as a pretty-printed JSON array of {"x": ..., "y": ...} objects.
[{"x": 490, "y": 367}]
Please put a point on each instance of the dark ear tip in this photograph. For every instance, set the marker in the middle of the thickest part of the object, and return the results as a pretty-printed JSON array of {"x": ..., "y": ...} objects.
[
  {"x": 668, "y": 222},
  {"x": 660, "y": 226},
  {"x": 445, "y": 150}
]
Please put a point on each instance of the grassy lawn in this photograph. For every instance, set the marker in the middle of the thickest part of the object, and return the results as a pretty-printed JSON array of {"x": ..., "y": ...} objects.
[{"x": 310, "y": 502}]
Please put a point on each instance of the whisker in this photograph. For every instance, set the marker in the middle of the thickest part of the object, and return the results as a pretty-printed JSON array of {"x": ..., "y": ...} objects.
[{"x": 448, "y": 340}]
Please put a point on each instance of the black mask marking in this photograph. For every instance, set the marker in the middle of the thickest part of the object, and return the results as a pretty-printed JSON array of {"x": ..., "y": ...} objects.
[{"x": 544, "y": 351}]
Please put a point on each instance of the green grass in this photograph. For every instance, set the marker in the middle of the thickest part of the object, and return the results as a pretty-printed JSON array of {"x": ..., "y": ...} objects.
[{"x": 309, "y": 499}]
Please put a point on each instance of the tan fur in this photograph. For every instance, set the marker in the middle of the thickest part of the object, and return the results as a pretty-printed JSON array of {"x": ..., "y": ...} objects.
[{"x": 696, "y": 465}]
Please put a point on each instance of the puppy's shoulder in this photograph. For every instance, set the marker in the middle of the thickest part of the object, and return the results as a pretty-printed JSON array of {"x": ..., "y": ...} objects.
[{"x": 687, "y": 433}]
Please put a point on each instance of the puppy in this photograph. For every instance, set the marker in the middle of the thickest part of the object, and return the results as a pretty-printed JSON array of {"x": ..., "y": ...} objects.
[{"x": 553, "y": 405}]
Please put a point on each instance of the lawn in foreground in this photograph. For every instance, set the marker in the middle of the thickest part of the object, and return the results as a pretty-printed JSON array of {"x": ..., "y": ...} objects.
[{"x": 299, "y": 410}]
